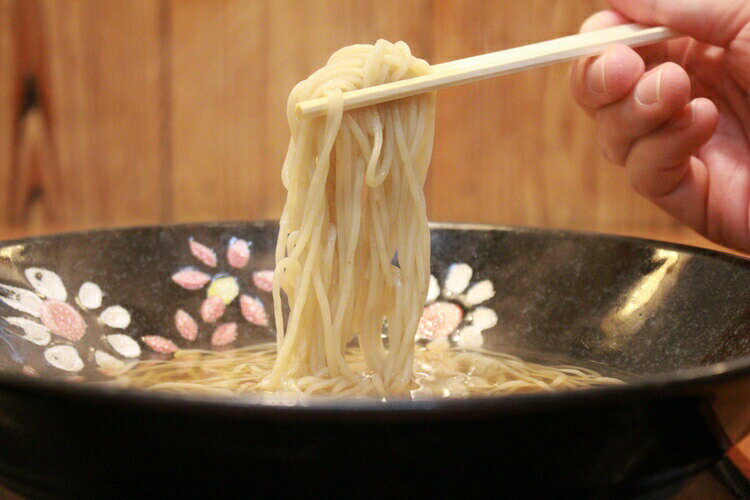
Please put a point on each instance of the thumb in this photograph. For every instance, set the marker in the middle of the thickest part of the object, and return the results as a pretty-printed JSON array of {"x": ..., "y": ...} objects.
[{"x": 716, "y": 22}]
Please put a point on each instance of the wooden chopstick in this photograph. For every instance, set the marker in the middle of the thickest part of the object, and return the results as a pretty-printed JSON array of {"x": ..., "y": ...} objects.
[{"x": 494, "y": 64}]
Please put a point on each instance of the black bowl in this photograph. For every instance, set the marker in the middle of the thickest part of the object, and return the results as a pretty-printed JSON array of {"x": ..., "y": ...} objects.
[{"x": 672, "y": 320}]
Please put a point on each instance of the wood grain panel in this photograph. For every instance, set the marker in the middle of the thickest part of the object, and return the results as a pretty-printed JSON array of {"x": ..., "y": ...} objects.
[
  {"x": 157, "y": 110},
  {"x": 7, "y": 98},
  {"x": 82, "y": 82}
]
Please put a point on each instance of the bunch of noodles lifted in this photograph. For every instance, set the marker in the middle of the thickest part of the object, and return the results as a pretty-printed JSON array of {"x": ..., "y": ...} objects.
[
  {"x": 353, "y": 259},
  {"x": 355, "y": 200}
]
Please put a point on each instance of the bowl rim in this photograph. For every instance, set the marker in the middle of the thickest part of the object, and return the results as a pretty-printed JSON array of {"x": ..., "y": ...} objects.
[{"x": 687, "y": 381}]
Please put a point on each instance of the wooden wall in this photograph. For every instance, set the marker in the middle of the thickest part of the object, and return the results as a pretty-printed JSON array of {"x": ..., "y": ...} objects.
[{"x": 128, "y": 112}]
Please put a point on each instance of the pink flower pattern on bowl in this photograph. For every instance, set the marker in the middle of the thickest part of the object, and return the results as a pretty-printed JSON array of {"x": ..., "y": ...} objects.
[
  {"x": 223, "y": 290},
  {"x": 74, "y": 330},
  {"x": 454, "y": 313},
  {"x": 53, "y": 320}
]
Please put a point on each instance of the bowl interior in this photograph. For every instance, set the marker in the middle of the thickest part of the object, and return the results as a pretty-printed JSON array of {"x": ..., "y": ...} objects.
[{"x": 78, "y": 306}]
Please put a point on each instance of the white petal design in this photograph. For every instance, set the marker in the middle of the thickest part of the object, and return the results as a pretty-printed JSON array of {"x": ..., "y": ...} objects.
[
  {"x": 481, "y": 292},
  {"x": 457, "y": 279},
  {"x": 433, "y": 291},
  {"x": 107, "y": 361},
  {"x": 90, "y": 295},
  {"x": 483, "y": 318},
  {"x": 64, "y": 357},
  {"x": 469, "y": 337},
  {"x": 22, "y": 300},
  {"x": 47, "y": 283},
  {"x": 124, "y": 345},
  {"x": 33, "y": 331},
  {"x": 115, "y": 317}
]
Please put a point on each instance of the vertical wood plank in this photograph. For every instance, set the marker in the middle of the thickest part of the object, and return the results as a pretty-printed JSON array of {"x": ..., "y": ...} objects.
[
  {"x": 217, "y": 115},
  {"x": 7, "y": 98},
  {"x": 105, "y": 76},
  {"x": 234, "y": 64},
  {"x": 82, "y": 92}
]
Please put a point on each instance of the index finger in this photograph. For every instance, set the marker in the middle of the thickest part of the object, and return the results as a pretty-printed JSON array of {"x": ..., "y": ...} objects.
[{"x": 602, "y": 80}]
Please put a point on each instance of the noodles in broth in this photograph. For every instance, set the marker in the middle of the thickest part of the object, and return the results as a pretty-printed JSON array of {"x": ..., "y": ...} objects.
[
  {"x": 355, "y": 200},
  {"x": 440, "y": 371}
]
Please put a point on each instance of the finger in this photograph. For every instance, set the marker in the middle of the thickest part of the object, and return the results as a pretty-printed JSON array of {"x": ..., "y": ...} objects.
[
  {"x": 603, "y": 80},
  {"x": 658, "y": 162},
  {"x": 711, "y": 21},
  {"x": 603, "y": 19},
  {"x": 657, "y": 97},
  {"x": 652, "y": 54},
  {"x": 688, "y": 201}
]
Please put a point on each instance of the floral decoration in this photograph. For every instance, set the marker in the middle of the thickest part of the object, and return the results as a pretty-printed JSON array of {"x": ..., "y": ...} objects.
[
  {"x": 49, "y": 317},
  {"x": 455, "y": 311},
  {"x": 224, "y": 287}
]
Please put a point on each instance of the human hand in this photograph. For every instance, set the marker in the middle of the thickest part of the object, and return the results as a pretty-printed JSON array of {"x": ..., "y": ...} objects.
[{"x": 676, "y": 115}]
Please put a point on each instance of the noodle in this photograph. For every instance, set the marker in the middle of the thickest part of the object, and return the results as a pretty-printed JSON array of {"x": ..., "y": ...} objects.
[
  {"x": 354, "y": 200},
  {"x": 439, "y": 372}
]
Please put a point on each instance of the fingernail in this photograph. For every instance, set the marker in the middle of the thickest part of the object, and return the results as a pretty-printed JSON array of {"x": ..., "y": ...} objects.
[
  {"x": 685, "y": 118},
  {"x": 648, "y": 90},
  {"x": 596, "y": 79}
]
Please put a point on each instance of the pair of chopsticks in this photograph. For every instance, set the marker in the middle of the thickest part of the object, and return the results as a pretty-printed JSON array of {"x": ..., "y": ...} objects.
[{"x": 504, "y": 62}]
